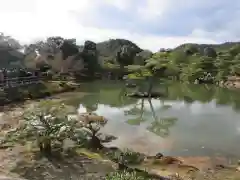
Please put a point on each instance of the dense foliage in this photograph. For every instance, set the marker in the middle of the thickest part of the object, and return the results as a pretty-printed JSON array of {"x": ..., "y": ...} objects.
[
  {"x": 33, "y": 91},
  {"x": 126, "y": 157},
  {"x": 196, "y": 62},
  {"x": 64, "y": 55},
  {"x": 188, "y": 62},
  {"x": 125, "y": 176}
]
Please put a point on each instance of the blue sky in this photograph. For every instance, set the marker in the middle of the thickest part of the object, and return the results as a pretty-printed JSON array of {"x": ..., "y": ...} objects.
[{"x": 152, "y": 24}]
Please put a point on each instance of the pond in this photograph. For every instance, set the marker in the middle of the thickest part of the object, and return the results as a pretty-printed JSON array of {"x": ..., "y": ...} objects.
[{"x": 189, "y": 120}]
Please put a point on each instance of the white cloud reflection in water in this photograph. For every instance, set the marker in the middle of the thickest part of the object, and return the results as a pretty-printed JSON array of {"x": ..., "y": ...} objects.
[{"x": 199, "y": 124}]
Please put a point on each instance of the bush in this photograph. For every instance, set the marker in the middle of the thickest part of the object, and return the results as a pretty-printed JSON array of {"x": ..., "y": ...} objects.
[
  {"x": 127, "y": 157},
  {"x": 125, "y": 176},
  {"x": 49, "y": 124}
]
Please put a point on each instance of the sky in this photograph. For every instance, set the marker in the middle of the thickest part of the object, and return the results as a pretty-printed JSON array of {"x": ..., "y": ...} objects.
[{"x": 152, "y": 24}]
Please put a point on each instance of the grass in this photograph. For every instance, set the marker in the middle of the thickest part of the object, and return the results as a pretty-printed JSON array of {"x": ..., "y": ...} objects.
[{"x": 89, "y": 154}]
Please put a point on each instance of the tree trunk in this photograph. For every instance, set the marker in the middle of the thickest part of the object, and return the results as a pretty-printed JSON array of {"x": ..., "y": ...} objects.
[
  {"x": 142, "y": 107},
  {"x": 152, "y": 110},
  {"x": 150, "y": 86},
  {"x": 95, "y": 143},
  {"x": 47, "y": 147}
]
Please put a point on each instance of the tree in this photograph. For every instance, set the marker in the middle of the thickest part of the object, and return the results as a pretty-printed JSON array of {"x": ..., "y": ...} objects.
[
  {"x": 90, "y": 57},
  {"x": 235, "y": 50},
  {"x": 144, "y": 74},
  {"x": 125, "y": 55},
  {"x": 7, "y": 42},
  {"x": 191, "y": 49},
  {"x": 53, "y": 45},
  {"x": 210, "y": 52},
  {"x": 223, "y": 63},
  {"x": 141, "y": 57},
  {"x": 235, "y": 67},
  {"x": 69, "y": 48}
]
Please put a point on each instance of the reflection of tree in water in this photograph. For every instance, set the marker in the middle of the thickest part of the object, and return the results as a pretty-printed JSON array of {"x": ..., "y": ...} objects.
[
  {"x": 112, "y": 96},
  {"x": 191, "y": 92},
  {"x": 91, "y": 108},
  {"x": 204, "y": 93},
  {"x": 115, "y": 97},
  {"x": 224, "y": 96},
  {"x": 121, "y": 95},
  {"x": 136, "y": 111},
  {"x": 160, "y": 126},
  {"x": 90, "y": 102}
]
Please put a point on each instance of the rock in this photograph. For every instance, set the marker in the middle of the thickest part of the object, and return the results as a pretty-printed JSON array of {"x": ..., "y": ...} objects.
[
  {"x": 88, "y": 118},
  {"x": 164, "y": 160},
  {"x": 104, "y": 138},
  {"x": 145, "y": 95},
  {"x": 131, "y": 85},
  {"x": 125, "y": 55},
  {"x": 159, "y": 155},
  {"x": 238, "y": 168}
]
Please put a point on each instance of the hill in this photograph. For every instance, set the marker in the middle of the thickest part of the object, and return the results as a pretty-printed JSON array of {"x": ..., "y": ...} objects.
[
  {"x": 108, "y": 49},
  {"x": 89, "y": 54}
]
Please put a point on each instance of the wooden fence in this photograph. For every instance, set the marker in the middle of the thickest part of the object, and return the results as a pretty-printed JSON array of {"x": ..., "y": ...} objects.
[{"x": 19, "y": 81}]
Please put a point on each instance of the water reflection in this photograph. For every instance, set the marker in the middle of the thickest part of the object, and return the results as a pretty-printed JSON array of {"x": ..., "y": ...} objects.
[
  {"x": 159, "y": 125},
  {"x": 191, "y": 119},
  {"x": 137, "y": 114}
]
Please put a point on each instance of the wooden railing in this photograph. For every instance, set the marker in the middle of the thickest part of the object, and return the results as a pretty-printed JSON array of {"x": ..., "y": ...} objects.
[{"x": 19, "y": 81}]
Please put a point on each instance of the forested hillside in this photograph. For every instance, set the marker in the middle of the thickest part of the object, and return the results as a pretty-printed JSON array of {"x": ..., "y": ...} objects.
[{"x": 189, "y": 62}]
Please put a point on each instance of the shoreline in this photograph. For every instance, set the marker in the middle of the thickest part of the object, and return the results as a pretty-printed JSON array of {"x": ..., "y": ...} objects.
[
  {"x": 233, "y": 84},
  {"x": 48, "y": 89}
]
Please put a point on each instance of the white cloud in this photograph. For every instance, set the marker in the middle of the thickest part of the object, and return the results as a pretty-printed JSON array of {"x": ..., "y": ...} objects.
[
  {"x": 121, "y": 4},
  {"x": 34, "y": 19},
  {"x": 154, "y": 9}
]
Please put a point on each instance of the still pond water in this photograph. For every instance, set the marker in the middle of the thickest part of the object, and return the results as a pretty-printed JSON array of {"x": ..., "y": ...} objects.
[{"x": 190, "y": 120}]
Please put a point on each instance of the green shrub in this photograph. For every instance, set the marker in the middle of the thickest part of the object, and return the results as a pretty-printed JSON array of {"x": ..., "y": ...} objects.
[
  {"x": 49, "y": 124},
  {"x": 127, "y": 157},
  {"x": 125, "y": 176}
]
